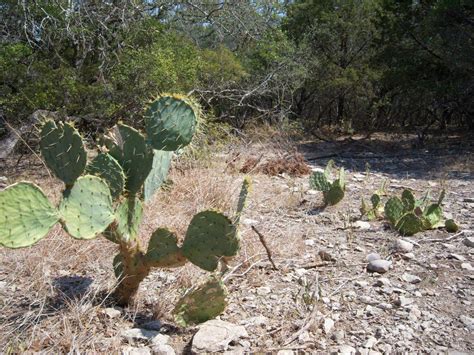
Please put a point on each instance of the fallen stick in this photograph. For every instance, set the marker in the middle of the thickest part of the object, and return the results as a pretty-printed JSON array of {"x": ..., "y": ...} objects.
[{"x": 267, "y": 249}]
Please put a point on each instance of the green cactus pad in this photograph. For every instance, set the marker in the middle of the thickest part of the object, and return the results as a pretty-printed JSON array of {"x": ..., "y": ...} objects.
[
  {"x": 318, "y": 181},
  {"x": 158, "y": 173},
  {"x": 335, "y": 194},
  {"x": 328, "y": 169},
  {"x": 375, "y": 199},
  {"x": 210, "y": 236},
  {"x": 26, "y": 215},
  {"x": 87, "y": 209},
  {"x": 409, "y": 224},
  {"x": 128, "y": 217},
  {"x": 163, "y": 250},
  {"x": 408, "y": 200},
  {"x": 63, "y": 151},
  {"x": 170, "y": 123},
  {"x": 451, "y": 226},
  {"x": 394, "y": 209},
  {"x": 433, "y": 214},
  {"x": 201, "y": 303},
  {"x": 128, "y": 146},
  {"x": 107, "y": 168}
]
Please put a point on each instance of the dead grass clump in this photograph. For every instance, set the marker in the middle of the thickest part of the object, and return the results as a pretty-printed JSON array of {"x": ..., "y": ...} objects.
[{"x": 293, "y": 165}]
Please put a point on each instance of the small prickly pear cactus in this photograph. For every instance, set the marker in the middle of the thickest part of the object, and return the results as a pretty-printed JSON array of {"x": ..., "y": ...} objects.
[
  {"x": 333, "y": 192},
  {"x": 410, "y": 216},
  {"x": 107, "y": 201},
  {"x": 373, "y": 212}
]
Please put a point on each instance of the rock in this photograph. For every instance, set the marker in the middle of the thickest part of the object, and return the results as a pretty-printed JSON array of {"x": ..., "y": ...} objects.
[
  {"x": 457, "y": 257},
  {"x": 160, "y": 345},
  {"x": 262, "y": 291},
  {"x": 346, "y": 350},
  {"x": 304, "y": 338},
  {"x": 371, "y": 341},
  {"x": 403, "y": 246},
  {"x": 130, "y": 350},
  {"x": 469, "y": 241},
  {"x": 413, "y": 279},
  {"x": 325, "y": 256},
  {"x": 373, "y": 256},
  {"x": 300, "y": 272},
  {"x": 249, "y": 222},
  {"x": 362, "y": 225},
  {"x": 408, "y": 256},
  {"x": 255, "y": 321},
  {"x": 215, "y": 335},
  {"x": 328, "y": 325},
  {"x": 468, "y": 322},
  {"x": 467, "y": 266},
  {"x": 468, "y": 199},
  {"x": 382, "y": 281},
  {"x": 112, "y": 312},
  {"x": 309, "y": 242},
  {"x": 138, "y": 334},
  {"x": 338, "y": 336},
  {"x": 403, "y": 301},
  {"x": 361, "y": 284},
  {"x": 380, "y": 266},
  {"x": 312, "y": 192},
  {"x": 152, "y": 325}
]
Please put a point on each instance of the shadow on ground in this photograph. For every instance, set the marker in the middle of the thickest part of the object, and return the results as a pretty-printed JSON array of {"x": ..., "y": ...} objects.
[{"x": 446, "y": 157}]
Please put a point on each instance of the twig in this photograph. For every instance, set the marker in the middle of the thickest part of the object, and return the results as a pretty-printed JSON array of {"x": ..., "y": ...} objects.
[
  {"x": 442, "y": 240},
  {"x": 264, "y": 243},
  {"x": 315, "y": 265}
]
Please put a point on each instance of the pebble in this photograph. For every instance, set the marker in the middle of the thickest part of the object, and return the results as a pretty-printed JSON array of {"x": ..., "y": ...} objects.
[
  {"x": 408, "y": 256},
  {"x": 457, "y": 257},
  {"x": 469, "y": 241},
  {"x": 467, "y": 266},
  {"x": 371, "y": 341},
  {"x": 468, "y": 322},
  {"x": 413, "y": 279},
  {"x": 160, "y": 345},
  {"x": 382, "y": 281},
  {"x": 403, "y": 301},
  {"x": 328, "y": 325},
  {"x": 380, "y": 266},
  {"x": 362, "y": 225},
  {"x": 261, "y": 291},
  {"x": 112, "y": 312},
  {"x": 249, "y": 222},
  {"x": 309, "y": 242},
  {"x": 338, "y": 336},
  {"x": 403, "y": 246},
  {"x": 373, "y": 256}
]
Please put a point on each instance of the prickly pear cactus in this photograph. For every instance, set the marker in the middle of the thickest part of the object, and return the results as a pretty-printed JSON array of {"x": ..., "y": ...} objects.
[
  {"x": 87, "y": 210},
  {"x": 201, "y": 303},
  {"x": 128, "y": 216},
  {"x": 26, "y": 215},
  {"x": 170, "y": 123},
  {"x": 63, "y": 151},
  {"x": 107, "y": 168},
  {"x": 163, "y": 250},
  {"x": 333, "y": 192}
]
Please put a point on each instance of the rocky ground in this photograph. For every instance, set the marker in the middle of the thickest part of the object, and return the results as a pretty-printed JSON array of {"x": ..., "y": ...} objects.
[{"x": 320, "y": 298}]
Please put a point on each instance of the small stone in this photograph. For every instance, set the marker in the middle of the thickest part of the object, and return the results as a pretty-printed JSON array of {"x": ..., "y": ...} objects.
[
  {"x": 373, "y": 256},
  {"x": 328, "y": 325},
  {"x": 468, "y": 322},
  {"x": 371, "y": 341},
  {"x": 403, "y": 301},
  {"x": 112, "y": 312},
  {"x": 300, "y": 272},
  {"x": 249, "y": 222},
  {"x": 469, "y": 241},
  {"x": 263, "y": 291},
  {"x": 380, "y": 266},
  {"x": 408, "y": 256},
  {"x": 361, "y": 284},
  {"x": 309, "y": 242},
  {"x": 304, "y": 338},
  {"x": 138, "y": 334},
  {"x": 346, "y": 350},
  {"x": 467, "y": 266},
  {"x": 413, "y": 279},
  {"x": 385, "y": 306},
  {"x": 130, "y": 350},
  {"x": 312, "y": 192},
  {"x": 256, "y": 321},
  {"x": 362, "y": 225},
  {"x": 457, "y": 257},
  {"x": 403, "y": 246},
  {"x": 382, "y": 281},
  {"x": 160, "y": 345},
  {"x": 152, "y": 325},
  {"x": 338, "y": 336},
  {"x": 216, "y": 335}
]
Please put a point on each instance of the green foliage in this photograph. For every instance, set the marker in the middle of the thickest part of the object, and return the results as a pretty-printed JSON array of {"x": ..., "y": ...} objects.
[
  {"x": 63, "y": 151},
  {"x": 333, "y": 192},
  {"x": 410, "y": 216},
  {"x": 26, "y": 215}
]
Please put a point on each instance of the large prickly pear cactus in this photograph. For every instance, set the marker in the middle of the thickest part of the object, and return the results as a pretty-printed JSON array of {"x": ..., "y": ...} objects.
[
  {"x": 333, "y": 192},
  {"x": 130, "y": 167},
  {"x": 410, "y": 216}
]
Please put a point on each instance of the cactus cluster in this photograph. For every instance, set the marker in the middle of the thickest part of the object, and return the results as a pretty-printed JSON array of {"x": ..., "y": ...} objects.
[
  {"x": 105, "y": 197},
  {"x": 410, "y": 216},
  {"x": 333, "y": 192}
]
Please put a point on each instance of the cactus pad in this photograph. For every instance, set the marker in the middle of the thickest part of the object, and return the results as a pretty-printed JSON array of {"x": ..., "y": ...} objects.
[
  {"x": 451, "y": 226},
  {"x": 409, "y": 224},
  {"x": 319, "y": 181},
  {"x": 433, "y": 214},
  {"x": 128, "y": 146},
  {"x": 201, "y": 303},
  {"x": 170, "y": 123},
  {"x": 107, "y": 168},
  {"x": 394, "y": 210},
  {"x": 26, "y": 215},
  {"x": 63, "y": 151},
  {"x": 210, "y": 236},
  {"x": 128, "y": 217},
  {"x": 375, "y": 199},
  {"x": 335, "y": 193},
  {"x": 408, "y": 200},
  {"x": 158, "y": 173},
  {"x": 87, "y": 209},
  {"x": 163, "y": 250}
]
